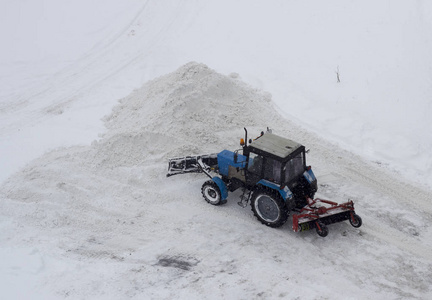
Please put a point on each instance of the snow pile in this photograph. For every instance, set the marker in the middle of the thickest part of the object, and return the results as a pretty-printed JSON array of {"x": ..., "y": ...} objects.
[
  {"x": 111, "y": 202},
  {"x": 103, "y": 221},
  {"x": 193, "y": 106}
]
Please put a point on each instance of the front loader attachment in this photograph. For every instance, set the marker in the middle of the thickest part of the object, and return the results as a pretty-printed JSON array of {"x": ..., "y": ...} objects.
[{"x": 192, "y": 164}]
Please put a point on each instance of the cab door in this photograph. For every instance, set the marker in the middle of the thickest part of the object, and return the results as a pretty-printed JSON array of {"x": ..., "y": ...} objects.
[{"x": 254, "y": 168}]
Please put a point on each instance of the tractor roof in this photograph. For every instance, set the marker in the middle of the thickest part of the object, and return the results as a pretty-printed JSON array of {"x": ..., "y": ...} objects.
[{"x": 275, "y": 145}]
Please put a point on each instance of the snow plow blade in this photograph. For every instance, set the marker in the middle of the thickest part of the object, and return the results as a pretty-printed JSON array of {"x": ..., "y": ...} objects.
[
  {"x": 192, "y": 164},
  {"x": 319, "y": 213}
]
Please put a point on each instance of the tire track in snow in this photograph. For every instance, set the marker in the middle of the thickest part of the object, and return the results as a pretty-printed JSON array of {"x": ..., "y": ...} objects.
[
  {"x": 80, "y": 77},
  {"x": 397, "y": 238},
  {"x": 389, "y": 185},
  {"x": 413, "y": 197},
  {"x": 343, "y": 166}
]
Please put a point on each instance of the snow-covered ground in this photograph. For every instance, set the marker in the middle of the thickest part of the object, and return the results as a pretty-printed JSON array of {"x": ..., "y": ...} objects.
[{"x": 86, "y": 210}]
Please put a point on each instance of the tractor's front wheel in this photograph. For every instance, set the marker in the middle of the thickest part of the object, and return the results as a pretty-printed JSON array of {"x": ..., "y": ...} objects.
[
  {"x": 269, "y": 208},
  {"x": 211, "y": 192}
]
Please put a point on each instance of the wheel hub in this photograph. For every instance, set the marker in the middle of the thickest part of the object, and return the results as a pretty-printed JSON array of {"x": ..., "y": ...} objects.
[{"x": 267, "y": 208}]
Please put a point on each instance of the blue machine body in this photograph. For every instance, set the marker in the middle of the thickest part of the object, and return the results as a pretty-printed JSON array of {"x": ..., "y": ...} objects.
[
  {"x": 285, "y": 192},
  {"x": 226, "y": 158}
]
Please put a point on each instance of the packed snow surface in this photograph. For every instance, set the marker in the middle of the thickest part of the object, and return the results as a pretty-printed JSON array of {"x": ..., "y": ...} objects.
[
  {"x": 103, "y": 221},
  {"x": 85, "y": 208}
]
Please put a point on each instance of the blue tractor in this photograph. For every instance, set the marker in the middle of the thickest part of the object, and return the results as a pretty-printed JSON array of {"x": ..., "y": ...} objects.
[{"x": 272, "y": 173}]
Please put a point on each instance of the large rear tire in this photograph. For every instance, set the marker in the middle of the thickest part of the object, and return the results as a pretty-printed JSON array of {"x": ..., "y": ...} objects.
[
  {"x": 211, "y": 192},
  {"x": 269, "y": 208}
]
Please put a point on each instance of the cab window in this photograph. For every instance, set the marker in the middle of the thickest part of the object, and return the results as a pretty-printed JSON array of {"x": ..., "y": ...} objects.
[
  {"x": 272, "y": 170},
  {"x": 294, "y": 167},
  {"x": 255, "y": 163}
]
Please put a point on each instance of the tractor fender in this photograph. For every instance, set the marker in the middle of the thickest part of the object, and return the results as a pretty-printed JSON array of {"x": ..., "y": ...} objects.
[
  {"x": 222, "y": 187},
  {"x": 285, "y": 192},
  {"x": 309, "y": 175}
]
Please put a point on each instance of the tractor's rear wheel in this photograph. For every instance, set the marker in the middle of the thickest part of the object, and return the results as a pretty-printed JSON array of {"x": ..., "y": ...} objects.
[
  {"x": 211, "y": 192},
  {"x": 269, "y": 208}
]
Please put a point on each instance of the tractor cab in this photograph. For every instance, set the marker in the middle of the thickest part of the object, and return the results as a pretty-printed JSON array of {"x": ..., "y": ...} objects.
[
  {"x": 275, "y": 159},
  {"x": 280, "y": 161}
]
